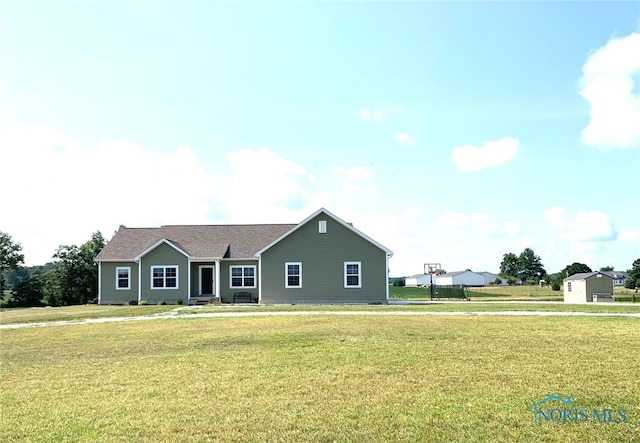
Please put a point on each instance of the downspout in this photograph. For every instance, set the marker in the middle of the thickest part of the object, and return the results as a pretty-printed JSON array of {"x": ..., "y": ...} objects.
[
  {"x": 139, "y": 280},
  {"x": 217, "y": 271},
  {"x": 388, "y": 256},
  {"x": 259, "y": 279},
  {"x": 188, "y": 279},
  {"x": 99, "y": 282}
]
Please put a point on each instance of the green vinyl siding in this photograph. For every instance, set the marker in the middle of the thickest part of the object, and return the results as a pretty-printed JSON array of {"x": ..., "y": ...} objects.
[
  {"x": 164, "y": 255},
  {"x": 323, "y": 257},
  {"x": 109, "y": 295},
  {"x": 226, "y": 291}
]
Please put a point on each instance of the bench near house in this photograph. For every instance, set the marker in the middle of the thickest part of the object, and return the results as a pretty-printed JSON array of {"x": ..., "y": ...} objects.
[{"x": 319, "y": 260}]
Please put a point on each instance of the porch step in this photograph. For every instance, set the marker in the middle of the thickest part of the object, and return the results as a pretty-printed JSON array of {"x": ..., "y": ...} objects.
[{"x": 203, "y": 300}]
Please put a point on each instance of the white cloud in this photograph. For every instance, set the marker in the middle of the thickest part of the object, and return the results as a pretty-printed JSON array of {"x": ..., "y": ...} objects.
[
  {"x": 556, "y": 217},
  {"x": 356, "y": 179},
  {"x": 63, "y": 192},
  {"x": 607, "y": 84},
  {"x": 491, "y": 153},
  {"x": 458, "y": 219},
  {"x": 586, "y": 226},
  {"x": 591, "y": 226},
  {"x": 412, "y": 212},
  {"x": 404, "y": 139},
  {"x": 262, "y": 181}
]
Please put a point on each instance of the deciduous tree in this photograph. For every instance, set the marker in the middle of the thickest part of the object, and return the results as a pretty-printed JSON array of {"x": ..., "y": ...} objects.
[
  {"x": 509, "y": 265},
  {"x": 574, "y": 268},
  {"x": 10, "y": 256},
  {"x": 530, "y": 266},
  {"x": 75, "y": 278}
]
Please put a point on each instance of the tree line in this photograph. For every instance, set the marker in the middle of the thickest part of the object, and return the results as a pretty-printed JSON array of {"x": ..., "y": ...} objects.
[
  {"x": 527, "y": 268},
  {"x": 70, "y": 279}
]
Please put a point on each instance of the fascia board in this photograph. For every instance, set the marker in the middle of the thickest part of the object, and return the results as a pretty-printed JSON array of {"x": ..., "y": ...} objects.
[{"x": 158, "y": 243}]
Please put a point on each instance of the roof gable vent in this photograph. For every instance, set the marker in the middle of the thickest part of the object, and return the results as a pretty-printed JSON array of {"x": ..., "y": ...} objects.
[{"x": 322, "y": 226}]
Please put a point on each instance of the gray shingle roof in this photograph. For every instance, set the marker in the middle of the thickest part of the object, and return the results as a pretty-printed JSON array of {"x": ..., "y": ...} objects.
[
  {"x": 584, "y": 275},
  {"x": 199, "y": 241}
]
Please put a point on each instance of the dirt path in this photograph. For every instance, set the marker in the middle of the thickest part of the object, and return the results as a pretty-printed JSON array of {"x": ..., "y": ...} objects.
[{"x": 178, "y": 314}]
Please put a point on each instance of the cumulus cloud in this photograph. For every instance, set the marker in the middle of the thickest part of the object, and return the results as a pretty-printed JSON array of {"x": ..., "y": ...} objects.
[
  {"x": 404, "y": 139},
  {"x": 261, "y": 181},
  {"x": 458, "y": 219},
  {"x": 491, "y": 153},
  {"x": 585, "y": 226},
  {"x": 62, "y": 192},
  {"x": 609, "y": 75},
  {"x": 356, "y": 179}
]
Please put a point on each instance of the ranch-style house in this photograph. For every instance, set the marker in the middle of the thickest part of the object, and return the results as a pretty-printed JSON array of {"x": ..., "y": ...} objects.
[{"x": 319, "y": 260}]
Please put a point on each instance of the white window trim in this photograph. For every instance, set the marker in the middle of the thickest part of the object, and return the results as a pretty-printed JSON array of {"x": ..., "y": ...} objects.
[
  {"x": 322, "y": 226},
  {"x": 164, "y": 277},
  {"x": 286, "y": 274},
  {"x": 255, "y": 276},
  {"x": 359, "y": 285},
  {"x": 128, "y": 268}
]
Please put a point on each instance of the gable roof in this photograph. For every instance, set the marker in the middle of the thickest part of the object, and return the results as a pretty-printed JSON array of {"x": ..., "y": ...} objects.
[
  {"x": 453, "y": 274},
  {"x": 195, "y": 241},
  {"x": 585, "y": 275},
  {"x": 617, "y": 274},
  {"x": 417, "y": 275},
  {"x": 335, "y": 218}
]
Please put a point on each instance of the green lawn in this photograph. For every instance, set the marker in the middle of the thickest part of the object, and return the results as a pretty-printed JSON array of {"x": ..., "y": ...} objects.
[
  {"x": 86, "y": 312},
  {"x": 523, "y": 292},
  {"x": 318, "y": 378}
]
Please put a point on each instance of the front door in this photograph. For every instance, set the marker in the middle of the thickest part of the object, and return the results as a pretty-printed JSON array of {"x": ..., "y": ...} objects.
[{"x": 207, "y": 280}]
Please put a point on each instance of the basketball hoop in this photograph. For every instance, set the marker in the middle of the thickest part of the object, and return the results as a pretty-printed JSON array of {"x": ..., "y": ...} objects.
[{"x": 432, "y": 268}]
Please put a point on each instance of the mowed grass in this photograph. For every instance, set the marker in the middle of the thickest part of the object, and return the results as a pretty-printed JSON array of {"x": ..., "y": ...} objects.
[
  {"x": 88, "y": 312},
  {"x": 318, "y": 378},
  {"x": 491, "y": 293},
  {"x": 77, "y": 312}
]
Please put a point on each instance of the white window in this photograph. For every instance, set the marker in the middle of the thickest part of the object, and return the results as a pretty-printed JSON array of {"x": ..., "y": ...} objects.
[
  {"x": 352, "y": 274},
  {"x": 123, "y": 278},
  {"x": 322, "y": 226},
  {"x": 293, "y": 275},
  {"x": 243, "y": 276},
  {"x": 164, "y": 277}
]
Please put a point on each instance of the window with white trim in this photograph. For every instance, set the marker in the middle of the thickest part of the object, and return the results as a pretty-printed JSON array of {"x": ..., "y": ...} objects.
[
  {"x": 164, "y": 277},
  {"x": 322, "y": 226},
  {"x": 123, "y": 278},
  {"x": 243, "y": 276},
  {"x": 293, "y": 275},
  {"x": 352, "y": 274}
]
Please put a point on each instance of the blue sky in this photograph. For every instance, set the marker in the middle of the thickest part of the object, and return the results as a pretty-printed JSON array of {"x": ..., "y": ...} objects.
[{"x": 450, "y": 132}]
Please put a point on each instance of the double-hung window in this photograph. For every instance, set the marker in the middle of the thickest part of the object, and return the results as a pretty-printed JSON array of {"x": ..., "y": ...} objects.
[
  {"x": 293, "y": 275},
  {"x": 123, "y": 278},
  {"x": 352, "y": 274},
  {"x": 164, "y": 277},
  {"x": 243, "y": 276}
]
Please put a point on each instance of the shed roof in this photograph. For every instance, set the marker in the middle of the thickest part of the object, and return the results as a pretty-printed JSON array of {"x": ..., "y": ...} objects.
[{"x": 585, "y": 275}]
